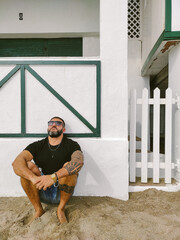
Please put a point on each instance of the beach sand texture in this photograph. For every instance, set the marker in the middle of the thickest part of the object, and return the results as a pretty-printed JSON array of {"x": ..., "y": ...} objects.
[{"x": 148, "y": 215}]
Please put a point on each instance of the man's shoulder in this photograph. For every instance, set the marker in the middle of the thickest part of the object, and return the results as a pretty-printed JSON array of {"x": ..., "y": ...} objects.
[
  {"x": 73, "y": 145},
  {"x": 68, "y": 140},
  {"x": 37, "y": 143},
  {"x": 40, "y": 142}
]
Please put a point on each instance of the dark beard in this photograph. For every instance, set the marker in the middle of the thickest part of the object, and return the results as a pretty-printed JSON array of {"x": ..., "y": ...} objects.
[{"x": 55, "y": 134}]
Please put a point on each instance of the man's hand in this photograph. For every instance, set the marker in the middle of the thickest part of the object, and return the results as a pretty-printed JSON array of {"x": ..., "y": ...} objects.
[{"x": 43, "y": 182}]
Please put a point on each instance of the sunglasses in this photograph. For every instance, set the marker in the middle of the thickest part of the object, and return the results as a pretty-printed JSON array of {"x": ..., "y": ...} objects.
[{"x": 57, "y": 123}]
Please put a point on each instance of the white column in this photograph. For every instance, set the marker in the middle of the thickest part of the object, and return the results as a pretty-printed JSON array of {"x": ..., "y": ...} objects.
[
  {"x": 174, "y": 84},
  {"x": 113, "y": 53},
  {"x": 114, "y": 90}
]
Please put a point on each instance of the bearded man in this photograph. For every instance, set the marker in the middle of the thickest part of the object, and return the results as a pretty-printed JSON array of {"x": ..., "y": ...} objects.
[{"x": 52, "y": 176}]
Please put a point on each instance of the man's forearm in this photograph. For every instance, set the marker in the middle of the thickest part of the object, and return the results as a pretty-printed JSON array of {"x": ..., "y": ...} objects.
[
  {"x": 72, "y": 167},
  {"x": 62, "y": 173}
]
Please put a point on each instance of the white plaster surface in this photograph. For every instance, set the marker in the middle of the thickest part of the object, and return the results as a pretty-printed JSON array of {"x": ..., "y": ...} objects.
[
  {"x": 10, "y": 104},
  {"x": 135, "y": 80},
  {"x": 91, "y": 46},
  {"x": 44, "y": 16},
  {"x": 175, "y": 15},
  {"x": 103, "y": 174}
]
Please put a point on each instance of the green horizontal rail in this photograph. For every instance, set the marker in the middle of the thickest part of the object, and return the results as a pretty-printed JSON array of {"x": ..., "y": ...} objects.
[{"x": 39, "y": 135}]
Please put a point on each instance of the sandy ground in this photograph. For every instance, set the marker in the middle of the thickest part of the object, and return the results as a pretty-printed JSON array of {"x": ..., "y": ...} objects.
[{"x": 148, "y": 215}]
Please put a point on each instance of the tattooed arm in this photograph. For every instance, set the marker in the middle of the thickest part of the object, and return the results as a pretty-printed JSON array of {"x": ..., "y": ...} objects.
[
  {"x": 76, "y": 163},
  {"x": 72, "y": 167}
]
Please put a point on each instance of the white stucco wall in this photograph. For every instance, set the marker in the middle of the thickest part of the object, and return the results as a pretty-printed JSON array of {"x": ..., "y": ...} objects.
[
  {"x": 105, "y": 172},
  {"x": 91, "y": 46},
  {"x": 44, "y": 16},
  {"x": 175, "y": 20},
  {"x": 97, "y": 178},
  {"x": 153, "y": 24},
  {"x": 135, "y": 80}
]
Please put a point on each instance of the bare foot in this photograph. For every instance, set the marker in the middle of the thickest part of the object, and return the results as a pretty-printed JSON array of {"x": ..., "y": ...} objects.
[
  {"x": 36, "y": 215},
  {"x": 61, "y": 216}
]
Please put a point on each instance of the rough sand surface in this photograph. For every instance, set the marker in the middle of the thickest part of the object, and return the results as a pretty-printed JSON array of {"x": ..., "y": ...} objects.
[{"x": 148, "y": 215}]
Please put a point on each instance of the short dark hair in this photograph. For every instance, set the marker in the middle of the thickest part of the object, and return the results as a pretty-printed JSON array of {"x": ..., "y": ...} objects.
[{"x": 60, "y": 119}]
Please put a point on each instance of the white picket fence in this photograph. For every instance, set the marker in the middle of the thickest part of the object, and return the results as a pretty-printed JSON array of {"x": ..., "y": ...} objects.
[{"x": 155, "y": 164}]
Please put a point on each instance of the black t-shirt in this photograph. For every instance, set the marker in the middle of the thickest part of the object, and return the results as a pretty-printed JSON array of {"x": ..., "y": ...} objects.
[{"x": 52, "y": 158}]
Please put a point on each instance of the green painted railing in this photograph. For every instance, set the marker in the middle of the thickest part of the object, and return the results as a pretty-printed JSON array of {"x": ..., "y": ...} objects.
[{"x": 23, "y": 66}]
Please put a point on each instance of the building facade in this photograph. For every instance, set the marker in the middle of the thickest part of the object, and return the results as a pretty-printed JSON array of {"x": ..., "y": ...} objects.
[{"x": 79, "y": 60}]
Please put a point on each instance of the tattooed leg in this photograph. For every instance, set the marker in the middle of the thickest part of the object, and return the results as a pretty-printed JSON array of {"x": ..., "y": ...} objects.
[{"x": 66, "y": 185}]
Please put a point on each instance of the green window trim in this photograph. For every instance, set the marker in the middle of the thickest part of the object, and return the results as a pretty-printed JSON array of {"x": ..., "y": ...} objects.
[
  {"x": 166, "y": 35},
  {"x": 25, "y": 66}
]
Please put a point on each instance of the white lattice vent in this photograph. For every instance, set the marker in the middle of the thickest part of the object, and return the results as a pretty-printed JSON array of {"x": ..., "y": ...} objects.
[{"x": 134, "y": 17}]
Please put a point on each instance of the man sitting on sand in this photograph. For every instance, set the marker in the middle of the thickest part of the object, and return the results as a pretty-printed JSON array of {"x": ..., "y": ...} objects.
[{"x": 53, "y": 177}]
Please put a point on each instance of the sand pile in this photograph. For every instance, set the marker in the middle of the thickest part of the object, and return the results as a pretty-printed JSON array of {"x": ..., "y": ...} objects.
[{"x": 148, "y": 215}]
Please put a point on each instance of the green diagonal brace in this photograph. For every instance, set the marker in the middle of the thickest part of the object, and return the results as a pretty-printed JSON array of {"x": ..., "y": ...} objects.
[
  {"x": 61, "y": 99},
  {"x": 23, "y": 103},
  {"x": 9, "y": 75}
]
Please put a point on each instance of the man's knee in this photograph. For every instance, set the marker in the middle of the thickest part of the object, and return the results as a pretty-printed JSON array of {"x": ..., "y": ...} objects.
[
  {"x": 67, "y": 184},
  {"x": 69, "y": 180}
]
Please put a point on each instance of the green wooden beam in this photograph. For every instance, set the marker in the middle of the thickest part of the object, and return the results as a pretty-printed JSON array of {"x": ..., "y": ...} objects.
[
  {"x": 98, "y": 97},
  {"x": 168, "y": 15},
  {"x": 23, "y": 101},
  {"x": 9, "y": 75},
  {"x": 44, "y": 62},
  {"x": 42, "y": 135},
  {"x": 171, "y": 36}
]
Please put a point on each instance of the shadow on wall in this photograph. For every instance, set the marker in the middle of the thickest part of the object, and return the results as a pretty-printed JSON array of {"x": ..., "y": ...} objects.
[{"x": 92, "y": 179}]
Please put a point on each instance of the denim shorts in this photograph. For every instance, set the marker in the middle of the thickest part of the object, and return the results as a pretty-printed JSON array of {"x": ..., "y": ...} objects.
[{"x": 50, "y": 195}]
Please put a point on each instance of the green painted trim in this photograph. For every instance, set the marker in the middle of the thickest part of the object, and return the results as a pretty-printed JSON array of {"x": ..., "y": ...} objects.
[
  {"x": 53, "y": 62},
  {"x": 42, "y": 135},
  {"x": 165, "y": 36},
  {"x": 152, "y": 52},
  {"x": 9, "y": 75},
  {"x": 60, "y": 98},
  {"x": 96, "y": 132},
  {"x": 172, "y": 35},
  {"x": 23, "y": 101},
  {"x": 98, "y": 97},
  {"x": 168, "y": 7}
]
